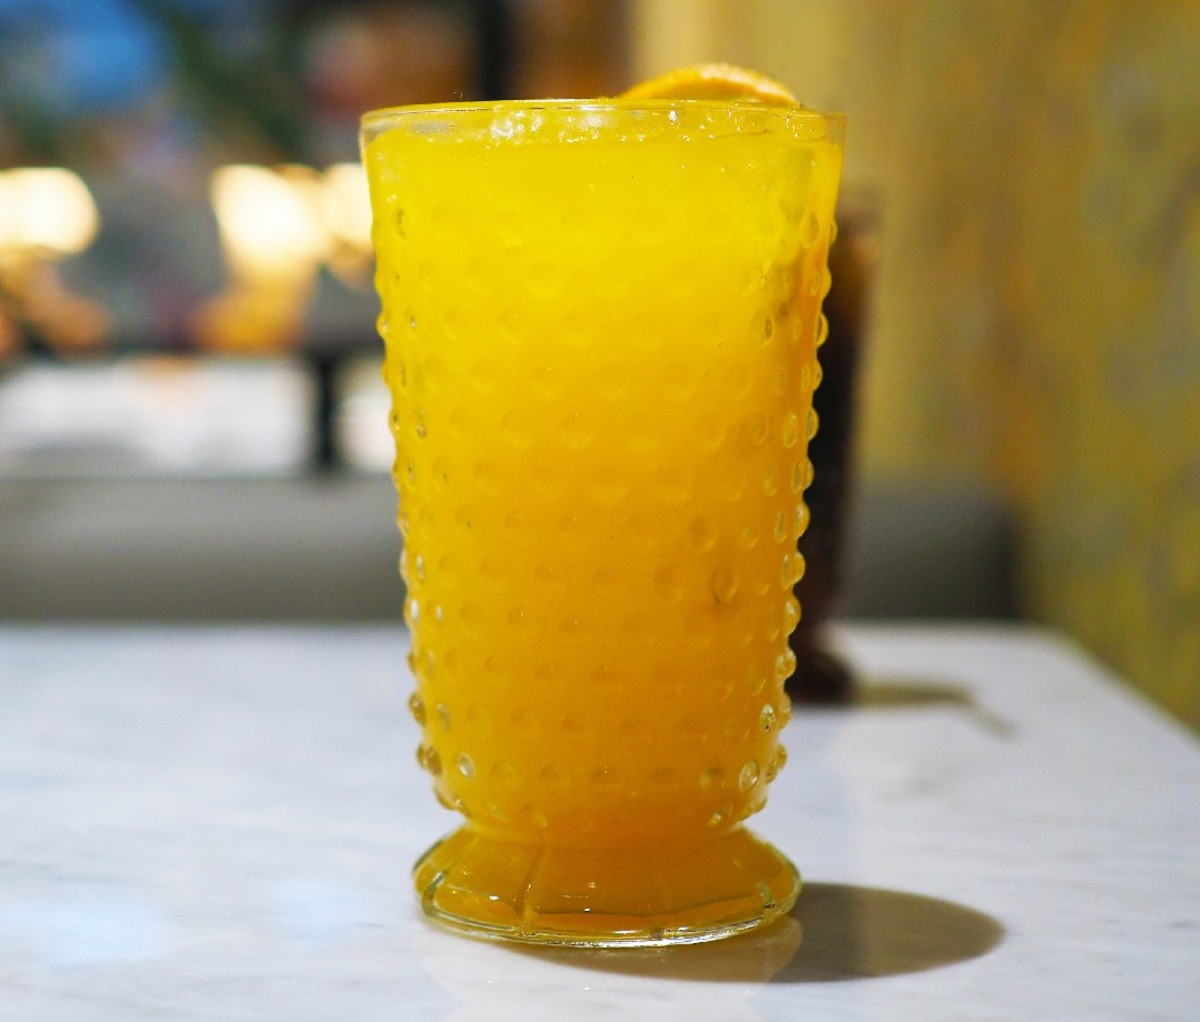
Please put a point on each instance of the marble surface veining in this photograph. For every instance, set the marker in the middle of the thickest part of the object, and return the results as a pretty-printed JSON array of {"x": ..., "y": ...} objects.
[{"x": 218, "y": 824}]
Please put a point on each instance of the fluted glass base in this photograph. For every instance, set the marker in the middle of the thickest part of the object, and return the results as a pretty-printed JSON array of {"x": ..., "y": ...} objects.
[{"x": 642, "y": 896}]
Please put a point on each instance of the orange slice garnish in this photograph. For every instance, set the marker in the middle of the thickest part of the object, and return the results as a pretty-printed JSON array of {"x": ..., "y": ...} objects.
[{"x": 714, "y": 81}]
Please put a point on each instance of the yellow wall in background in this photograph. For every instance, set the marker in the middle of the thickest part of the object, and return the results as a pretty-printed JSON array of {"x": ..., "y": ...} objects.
[{"x": 1037, "y": 321}]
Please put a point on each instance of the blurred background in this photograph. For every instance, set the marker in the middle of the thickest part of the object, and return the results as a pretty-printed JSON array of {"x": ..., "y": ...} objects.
[{"x": 192, "y": 425}]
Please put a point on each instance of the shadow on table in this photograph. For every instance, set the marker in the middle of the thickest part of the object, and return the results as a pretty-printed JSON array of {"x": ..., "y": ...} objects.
[
  {"x": 861, "y": 932},
  {"x": 896, "y": 693},
  {"x": 836, "y": 932}
]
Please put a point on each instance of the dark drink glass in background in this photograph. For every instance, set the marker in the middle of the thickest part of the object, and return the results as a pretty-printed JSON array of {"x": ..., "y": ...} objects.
[{"x": 821, "y": 676}]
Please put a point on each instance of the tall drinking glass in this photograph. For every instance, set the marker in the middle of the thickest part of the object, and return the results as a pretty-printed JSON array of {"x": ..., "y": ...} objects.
[{"x": 600, "y": 322}]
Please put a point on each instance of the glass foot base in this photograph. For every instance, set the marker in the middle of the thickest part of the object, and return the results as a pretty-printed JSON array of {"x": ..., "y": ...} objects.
[{"x": 612, "y": 897}]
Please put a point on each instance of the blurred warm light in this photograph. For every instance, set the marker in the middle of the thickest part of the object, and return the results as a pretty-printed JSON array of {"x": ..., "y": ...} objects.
[
  {"x": 269, "y": 222},
  {"x": 46, "y": 214},
  {"x": 346, "y": 205},
  {"x": 346, "y": 210},
  {"x": 279, "y": 226},
  {"x": 45, "y": 211}
]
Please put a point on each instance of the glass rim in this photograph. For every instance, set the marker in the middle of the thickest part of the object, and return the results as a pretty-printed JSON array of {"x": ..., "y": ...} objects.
[{"x": 382, "y": 118}]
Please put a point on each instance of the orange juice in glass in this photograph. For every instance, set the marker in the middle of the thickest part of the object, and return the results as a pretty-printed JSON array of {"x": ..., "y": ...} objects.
[{"x": 601, "y": 321}]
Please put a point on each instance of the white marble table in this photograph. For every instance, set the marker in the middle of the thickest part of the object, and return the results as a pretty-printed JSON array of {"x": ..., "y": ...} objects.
[{"x": 218, "y": 824}]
